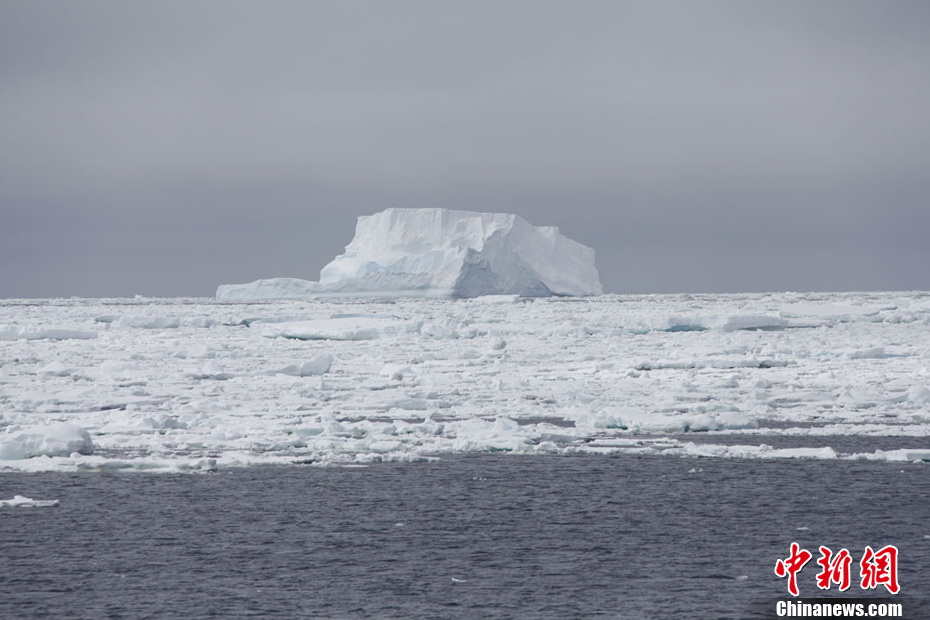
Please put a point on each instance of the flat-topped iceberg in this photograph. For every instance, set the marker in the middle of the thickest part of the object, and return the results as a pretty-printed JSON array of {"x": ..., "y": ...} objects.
[{"x": 443, "y": 253}]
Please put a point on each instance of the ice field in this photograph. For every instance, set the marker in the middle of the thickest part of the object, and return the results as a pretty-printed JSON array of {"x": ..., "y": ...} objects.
[{"x": 200, "y": 384}]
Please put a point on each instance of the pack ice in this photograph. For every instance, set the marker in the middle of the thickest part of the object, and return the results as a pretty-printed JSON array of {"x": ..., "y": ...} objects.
[
  {"x": 202, "y": 385},
  {"x": 443, "y": 253}
]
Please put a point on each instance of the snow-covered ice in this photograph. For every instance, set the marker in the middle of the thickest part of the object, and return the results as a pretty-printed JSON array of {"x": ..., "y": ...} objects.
[
  {"x": 319, "y": 365},
  {"x": 443, "y": 253},
  {"x": 356, "y": 380},
  {"x": 32, "y": 332},
  {"x": 339, "y": 328},
  {"x": 20, "y": 501},
  {"x": 59, "y": 439}
]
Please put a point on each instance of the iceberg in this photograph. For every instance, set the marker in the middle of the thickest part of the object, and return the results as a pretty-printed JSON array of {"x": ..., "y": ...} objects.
[{"x": 443, "y": 253}]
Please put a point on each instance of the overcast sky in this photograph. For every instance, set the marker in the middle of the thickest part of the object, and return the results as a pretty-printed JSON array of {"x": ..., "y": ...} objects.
[{"x": 163, "y": 148}]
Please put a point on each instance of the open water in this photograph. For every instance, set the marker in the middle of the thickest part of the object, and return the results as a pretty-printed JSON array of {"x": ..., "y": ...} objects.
[{"x": 481, "y": 536}]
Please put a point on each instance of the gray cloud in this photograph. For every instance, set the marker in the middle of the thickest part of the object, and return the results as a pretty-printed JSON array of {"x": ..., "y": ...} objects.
[{"x": 164, "y": 148}]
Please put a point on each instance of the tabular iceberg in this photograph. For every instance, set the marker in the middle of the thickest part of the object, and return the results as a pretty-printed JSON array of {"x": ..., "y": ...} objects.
[{"x": 443, "y": 253}]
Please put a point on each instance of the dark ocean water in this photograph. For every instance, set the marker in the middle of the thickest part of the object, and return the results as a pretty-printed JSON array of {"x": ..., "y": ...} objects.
[{"x": 484, "y": 536}]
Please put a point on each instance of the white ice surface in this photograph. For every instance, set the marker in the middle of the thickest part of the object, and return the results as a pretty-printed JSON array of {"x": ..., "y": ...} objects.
[
  {"x": 336, "y": 381},
  {"x": 443, "y": 253},
  {"x": 339, "y": 328},
  {"x": 319, "y": 365},
  {"x": 32, "y": 332},
  {"x": 57, "y": 439},
  {"x": 20, "y": 501}
]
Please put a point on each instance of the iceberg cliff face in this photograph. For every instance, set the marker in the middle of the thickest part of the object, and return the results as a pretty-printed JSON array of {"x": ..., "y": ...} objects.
[{"x": 443, "y": 253}]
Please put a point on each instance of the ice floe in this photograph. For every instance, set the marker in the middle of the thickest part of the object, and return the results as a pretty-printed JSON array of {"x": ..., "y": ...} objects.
[
  {"x": 319, "y": 365},
  {"x": 20, "y": 501},
  {"x": 51, "y": 440},
  {"x": 32, "y": 332},
  {"x": 341, "y": 328}
]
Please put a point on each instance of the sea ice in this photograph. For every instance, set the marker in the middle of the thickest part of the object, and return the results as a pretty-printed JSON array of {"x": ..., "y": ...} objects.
[
  {"x": 56, "y": 369},
  {"x": 754, "y": 322},
  {"x": 150, "y": 322},
  {"x": 30, "y": 332},
  {"x": 211, "y": 370},
  {"x": 52, "y": 440},
  {"x": 841, "y": 312},
  {"x": 20, "y": 501},
  {"x": 353, "y": 381},
  {"x": 319, "y": 365},
  {"x": 347, "y": 328}
]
